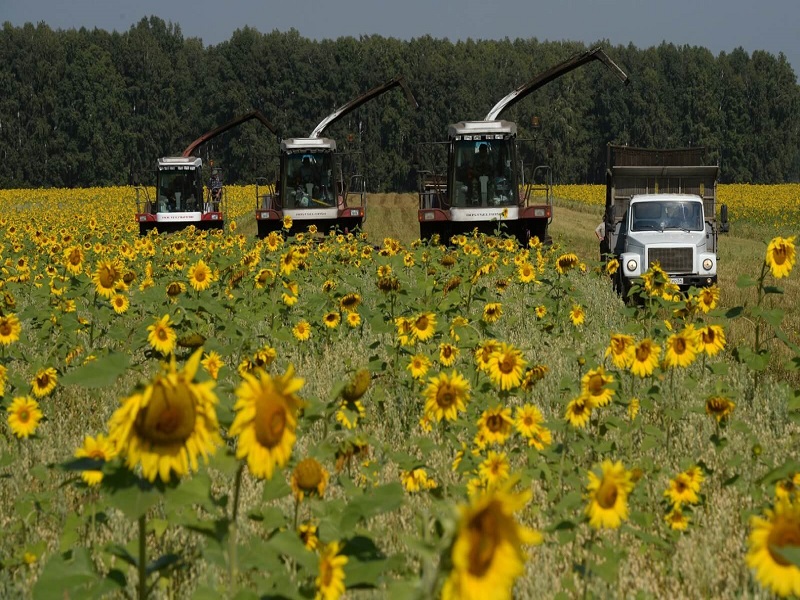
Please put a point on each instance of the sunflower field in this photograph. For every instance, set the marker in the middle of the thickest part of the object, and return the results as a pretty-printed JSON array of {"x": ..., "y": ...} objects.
[{"x": 207, "y": 414}]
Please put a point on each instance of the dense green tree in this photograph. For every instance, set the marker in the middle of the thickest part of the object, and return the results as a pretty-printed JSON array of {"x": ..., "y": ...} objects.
[{"x": 84, "y": 107}]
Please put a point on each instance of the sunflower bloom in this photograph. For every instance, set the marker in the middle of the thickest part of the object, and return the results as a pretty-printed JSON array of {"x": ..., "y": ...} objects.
[
  {"x": 330, "y": 582},
  {"x": 99, "y": 448},
  {"x": 607, "y": 494},
  {"x": 681, "y": 349},
  {"x": 419, "y": 365},
  {"x": 446, "y": 396},
  {"x": 162, "y": 336},
  {"x": 448, "y": 354},
  {"x": 529, "y": 423},
  {"x": 594, "y": 387},
  {"x": 266, "y": 420},
  {"x": 778, "y": 528},
  {"x": 578, "y": 411},
  {"x": 24, "y": 416},
  {"x": 309, "y": 478},
  {"x": 495, "y": 468},
  {"x": 676, "y": 519},
  {"x": 645, "y": 358},
  {"x": 781, "y": 256},
  {"x": 711, "y": 339},
  {"x": 44, "y": 382},
  {"x": 495, "y": 425},
  {"x": 120, "y": 303},
  {"x": 308, "y": 535},
  {"x": 492, "y": 312},
  {"x": 332, "y": 319},
  {"x": 682, "y": 490},
  {"x": 200, "y": 276},
  {"x": 302, "y": 331},
  {"x": 577, "y": 315},
  {"x": 708, "y": 298},
  {"x": 423, "y": 326},
  {"x": 719, "y": 407},
  {"x": 506, "y": 366},
  {"x": 172, "y": 422},
  {"x": 106, "y": 276},
  {"x": 417, "y": 480},
  {"x": 10, "y": 329},
  {"x": 487, "y": 553},
  {"x": 212, "y": 362}
]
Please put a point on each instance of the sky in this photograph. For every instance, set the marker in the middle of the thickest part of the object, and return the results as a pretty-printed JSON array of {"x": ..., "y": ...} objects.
[{"x": 719, "y": 25}]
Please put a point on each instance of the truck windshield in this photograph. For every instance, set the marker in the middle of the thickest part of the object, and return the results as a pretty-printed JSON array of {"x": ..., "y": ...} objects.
[
  {"x": 482, "y": 173},
  {"x": 309, "y": 180},
  {"x": 658, "y": 215}
]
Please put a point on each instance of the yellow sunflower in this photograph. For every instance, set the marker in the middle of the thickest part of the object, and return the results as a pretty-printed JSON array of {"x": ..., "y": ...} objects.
[
  {"x": 577, "y": 315},
  {"x": 172, "y": 422},
  {"x": 448, "y": 354},
  {"x": 287, "y": 222},
  {"x": 487, "y": 554},
  {"x": 566, "y": 262},
  {"x": 73, "y": 260},
  {"x": 24, "y": 416},
  {"x": 484, "y": 352},
  {"x": 309, "y": 478},
  {"x": 10, "y": 329},
  {"x": 492, "y": 312},
  {"x": 302, "y": 331},
  {"x": 419, "y": 365},
  {"x": 682, "y": 489},
  {"x": 266, "y": 420},
  {"x": 495, "y": 425},
  {"x": 645, "y": 358},
  {"x": 332, "y": 319},
  {"x": 579, "y": 410},
  {"x": 594, "y": 387},
  {"x": 446, "y": 396},
  {"x": 417, "y": 480},
  {"x": 423, "y": 326},
  {"x": 781, "y": 256},
  {"x": 621, "y": 350},
  {"x": 711, "y": 339},
  {"x": 200, "y": 276},
  {"x": 120, "y": 303},
  {"x": 162, "y": 337},
  {"x": 330, "y": 581},
  {"x": 44, "y": 382},
  {"x": 681, "y": 349},
  {"x": 99, "y": 448},
  {"x": 353, "y": 319},
  {"x": 607, "y": 493},
  {"x": 719, "y": 407},
  {"x": 212, "y": 362},
  {"x": 779, "y": 528},
  {"x": 707, "y": 298},
  {"x": 540, "y": 311},
  {"x": 308, "y": 535},
  {"x": 495, "y": 468},
  {"x": 506, "y": 366},
  {"x": 676, "y": 519},
  {"x": 526, "y": 272},
  {"x": 529, "y": 423},
  {"x": 350, "y": 302},
  {"x": 106, "y": 276}
]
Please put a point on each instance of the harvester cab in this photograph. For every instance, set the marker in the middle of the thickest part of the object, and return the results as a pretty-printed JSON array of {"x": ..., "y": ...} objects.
[
  {"x": 181, "y": 195},
  {"x": 311, "y": 187},
  {"x": 484, "y": 186}
]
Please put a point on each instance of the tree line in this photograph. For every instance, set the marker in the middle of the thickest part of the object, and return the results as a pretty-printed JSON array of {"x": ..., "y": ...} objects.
[{"x": 88, "y": 107}]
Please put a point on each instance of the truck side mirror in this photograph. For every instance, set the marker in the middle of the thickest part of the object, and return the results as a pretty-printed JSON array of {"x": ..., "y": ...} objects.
[{"x": 724, "y": 224}]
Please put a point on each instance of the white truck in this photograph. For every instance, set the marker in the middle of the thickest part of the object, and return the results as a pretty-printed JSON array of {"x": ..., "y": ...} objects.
[{"x": 661, "y": 208}]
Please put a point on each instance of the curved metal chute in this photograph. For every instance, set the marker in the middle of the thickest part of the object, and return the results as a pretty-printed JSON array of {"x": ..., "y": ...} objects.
[
  {"x": 554, "y": 73},
  {"x": 229, "y": 125},
  {"x": 354, "y": 104}
]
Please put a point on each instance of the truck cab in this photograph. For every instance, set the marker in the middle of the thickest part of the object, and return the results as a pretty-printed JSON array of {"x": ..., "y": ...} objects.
[{"x": 661, "y": 209}]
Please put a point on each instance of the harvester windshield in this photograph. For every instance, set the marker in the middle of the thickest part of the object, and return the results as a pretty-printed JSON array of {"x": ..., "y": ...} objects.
[
  {"x": 483, "y": 174},
  {"x": 309, "y": 180},
  {"x": 179, "y": 189}
]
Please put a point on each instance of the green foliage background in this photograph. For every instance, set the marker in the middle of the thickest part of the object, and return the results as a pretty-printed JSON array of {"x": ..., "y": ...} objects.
[{"x": 82, "y": 108}]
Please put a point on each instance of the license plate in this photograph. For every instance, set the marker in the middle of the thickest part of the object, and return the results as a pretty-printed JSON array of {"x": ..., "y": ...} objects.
[{"x": 676, "y": 280}]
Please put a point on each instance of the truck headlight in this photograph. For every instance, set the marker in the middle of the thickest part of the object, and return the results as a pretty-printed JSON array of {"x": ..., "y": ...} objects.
[
  {"x": 632, "y": 264},
  {"x": 707, "y": 264}
]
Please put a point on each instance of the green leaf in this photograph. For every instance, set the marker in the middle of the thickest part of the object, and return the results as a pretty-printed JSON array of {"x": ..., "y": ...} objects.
[
  {"x": 275, "y": 488},
  {"x": 134, "y": 501},
  {"x": 288, "y": 543},
  {"x": 746, "y": 281},
  {"x": 100, "y": 373},
  {"x": 374, "y": 501},
  {"x": 65, "y": 575}
]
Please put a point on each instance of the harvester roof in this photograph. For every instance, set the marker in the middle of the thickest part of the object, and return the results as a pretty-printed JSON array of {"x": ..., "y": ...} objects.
[
  {"x": 307, "y": 144},
  {"x": 482, "y": 128}
]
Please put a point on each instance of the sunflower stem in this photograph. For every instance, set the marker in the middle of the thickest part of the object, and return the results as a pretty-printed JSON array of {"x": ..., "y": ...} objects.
[
  {"x": 232, "y": 535},
  {"x": 142, "y": 557}
]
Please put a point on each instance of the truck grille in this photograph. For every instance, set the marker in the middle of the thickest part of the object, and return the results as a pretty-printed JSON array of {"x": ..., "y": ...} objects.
[{"x": 672, "y": 260}]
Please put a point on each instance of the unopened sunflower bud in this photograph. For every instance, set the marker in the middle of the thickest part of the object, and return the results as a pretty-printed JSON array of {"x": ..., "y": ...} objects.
[
  {"x": 357, "y": 386},
  {"x": 636, "y": 474}
]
